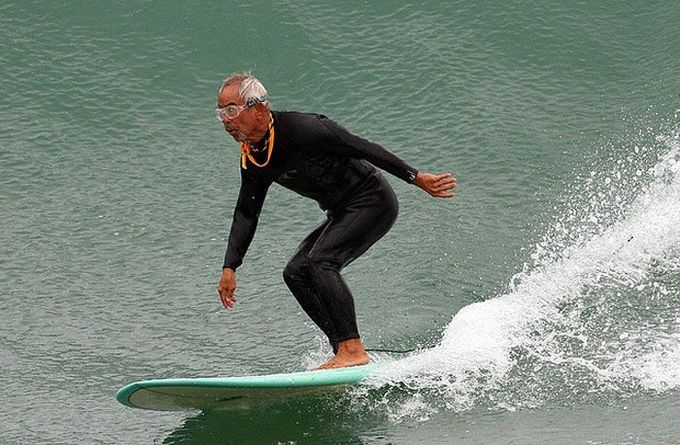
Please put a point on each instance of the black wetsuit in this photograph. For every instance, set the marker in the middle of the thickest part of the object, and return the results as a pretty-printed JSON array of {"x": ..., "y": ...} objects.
[{"x": 319, "y": 159}]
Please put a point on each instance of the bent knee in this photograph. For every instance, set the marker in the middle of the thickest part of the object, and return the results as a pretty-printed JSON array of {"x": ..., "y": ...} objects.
[
  {"x": 290, "y": 272},
  {"x": 296, "y": 269},
  {"x": 318, "y": 264}
]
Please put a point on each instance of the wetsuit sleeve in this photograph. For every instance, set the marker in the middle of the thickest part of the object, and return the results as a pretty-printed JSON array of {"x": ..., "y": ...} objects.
[
  {"x": 344, "y": 143},
  {"x": 246, "y": 214}
]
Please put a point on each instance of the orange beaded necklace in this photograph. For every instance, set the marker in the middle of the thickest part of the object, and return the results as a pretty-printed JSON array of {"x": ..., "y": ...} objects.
[{"x": 245, "y": 148}]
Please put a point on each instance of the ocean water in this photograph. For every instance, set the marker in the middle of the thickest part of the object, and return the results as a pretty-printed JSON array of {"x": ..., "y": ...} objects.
[{"x": 542, "y": 303}]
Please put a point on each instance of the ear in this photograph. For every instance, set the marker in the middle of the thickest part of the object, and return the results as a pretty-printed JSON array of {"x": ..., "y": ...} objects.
[{"x": 261, "y": 109}]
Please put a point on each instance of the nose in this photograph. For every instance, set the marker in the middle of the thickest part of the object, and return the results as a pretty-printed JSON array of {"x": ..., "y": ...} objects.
[{"x": 227, "y": 122}]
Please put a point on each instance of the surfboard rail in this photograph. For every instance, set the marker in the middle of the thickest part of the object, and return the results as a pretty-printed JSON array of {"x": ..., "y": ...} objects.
[{"x": 243, "y": 391}]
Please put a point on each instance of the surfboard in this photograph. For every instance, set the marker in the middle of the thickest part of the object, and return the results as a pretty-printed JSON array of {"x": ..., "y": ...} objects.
[{"x": 238, "y": 392}]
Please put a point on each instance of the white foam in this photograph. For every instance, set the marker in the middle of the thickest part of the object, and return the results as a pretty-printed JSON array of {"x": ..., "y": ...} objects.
[
  {"x": 475, "y": 355},
  {"x": 659, "y": 370}
]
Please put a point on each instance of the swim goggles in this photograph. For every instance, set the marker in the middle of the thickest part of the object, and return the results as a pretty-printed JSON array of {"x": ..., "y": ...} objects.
[{"x": 232, "y": 111}]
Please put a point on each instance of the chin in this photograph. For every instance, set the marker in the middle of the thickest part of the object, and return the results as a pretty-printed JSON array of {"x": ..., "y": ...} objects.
[{"x": 238, "y": 137}]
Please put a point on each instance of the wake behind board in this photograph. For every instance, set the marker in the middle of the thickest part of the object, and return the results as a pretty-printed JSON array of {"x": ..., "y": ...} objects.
[{"x": 237, "y": 392}]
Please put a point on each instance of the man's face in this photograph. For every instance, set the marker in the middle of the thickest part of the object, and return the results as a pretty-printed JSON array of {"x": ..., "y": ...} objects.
[{"x": 241, "y": 127}]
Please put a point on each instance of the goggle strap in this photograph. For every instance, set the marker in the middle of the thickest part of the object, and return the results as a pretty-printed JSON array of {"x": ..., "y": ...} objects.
[{"x": 251, "y": 102}]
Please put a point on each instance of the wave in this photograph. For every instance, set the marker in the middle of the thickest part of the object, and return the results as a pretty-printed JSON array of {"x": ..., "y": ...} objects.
[{"x": 594, "y": 317}]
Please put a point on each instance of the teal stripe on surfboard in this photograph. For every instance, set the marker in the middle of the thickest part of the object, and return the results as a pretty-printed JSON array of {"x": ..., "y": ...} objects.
[{"x": 243, "y": 391}]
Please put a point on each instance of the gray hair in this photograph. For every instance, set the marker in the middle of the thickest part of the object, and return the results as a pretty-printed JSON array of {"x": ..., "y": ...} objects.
[{"x": 249, "y": 87}]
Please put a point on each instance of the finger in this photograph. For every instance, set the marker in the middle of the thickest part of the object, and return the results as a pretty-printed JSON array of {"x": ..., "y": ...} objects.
[
  {"x": 227, "y": 297},
  {"x": 441, "y": 176},
  {"x": 450, "y": 182},
  {"x": 439, "y": 193},
  {"x": 228, "y": 302},
  {"x": 444, "y": 176},
  {"x": 443, "y": 193},
  {"x": 447, "y": 182},
  {"x": 445, "y": 186}
]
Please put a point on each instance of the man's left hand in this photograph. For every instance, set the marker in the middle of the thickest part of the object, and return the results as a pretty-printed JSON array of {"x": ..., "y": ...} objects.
[{"x": 437, "y": 185}]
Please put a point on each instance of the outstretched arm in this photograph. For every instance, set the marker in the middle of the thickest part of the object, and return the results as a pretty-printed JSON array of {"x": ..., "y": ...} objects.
[
  {"x": 439, "y": 186},
  {"x": 339, "y": 141}
]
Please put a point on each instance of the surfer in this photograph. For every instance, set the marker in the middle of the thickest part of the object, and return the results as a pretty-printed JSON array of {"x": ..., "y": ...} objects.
[{"x": 312, "y": 155}]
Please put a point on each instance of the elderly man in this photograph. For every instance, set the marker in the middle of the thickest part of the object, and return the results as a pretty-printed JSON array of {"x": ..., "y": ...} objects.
[{"x": 317, "y": 158}]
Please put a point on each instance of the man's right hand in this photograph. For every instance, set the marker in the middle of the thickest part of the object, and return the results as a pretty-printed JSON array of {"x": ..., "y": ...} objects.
[{"x": 227, "y": 286}]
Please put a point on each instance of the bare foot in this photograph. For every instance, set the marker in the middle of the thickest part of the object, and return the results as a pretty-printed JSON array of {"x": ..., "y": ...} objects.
[{"x": 350, "y": 353}]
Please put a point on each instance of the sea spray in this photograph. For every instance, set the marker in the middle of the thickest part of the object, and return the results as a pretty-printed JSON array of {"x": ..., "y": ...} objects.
[{"x": 595, "y": 317}]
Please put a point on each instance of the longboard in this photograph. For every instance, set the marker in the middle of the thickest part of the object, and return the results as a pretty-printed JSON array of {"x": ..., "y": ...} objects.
[{"x": 237, "y": 392}]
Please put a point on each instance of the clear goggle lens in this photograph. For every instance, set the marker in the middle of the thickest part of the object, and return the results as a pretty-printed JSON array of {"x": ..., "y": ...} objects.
[{"x": 230, "y": 111}]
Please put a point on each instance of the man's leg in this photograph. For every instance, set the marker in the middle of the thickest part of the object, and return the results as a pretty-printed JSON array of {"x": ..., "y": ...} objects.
[
  {"x": 348, "y": 234},
  {"x": 298, "y": 278}
]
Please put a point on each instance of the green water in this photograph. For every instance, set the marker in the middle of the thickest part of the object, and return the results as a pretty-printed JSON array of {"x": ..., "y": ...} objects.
[{"x": 560, "y": 120}]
